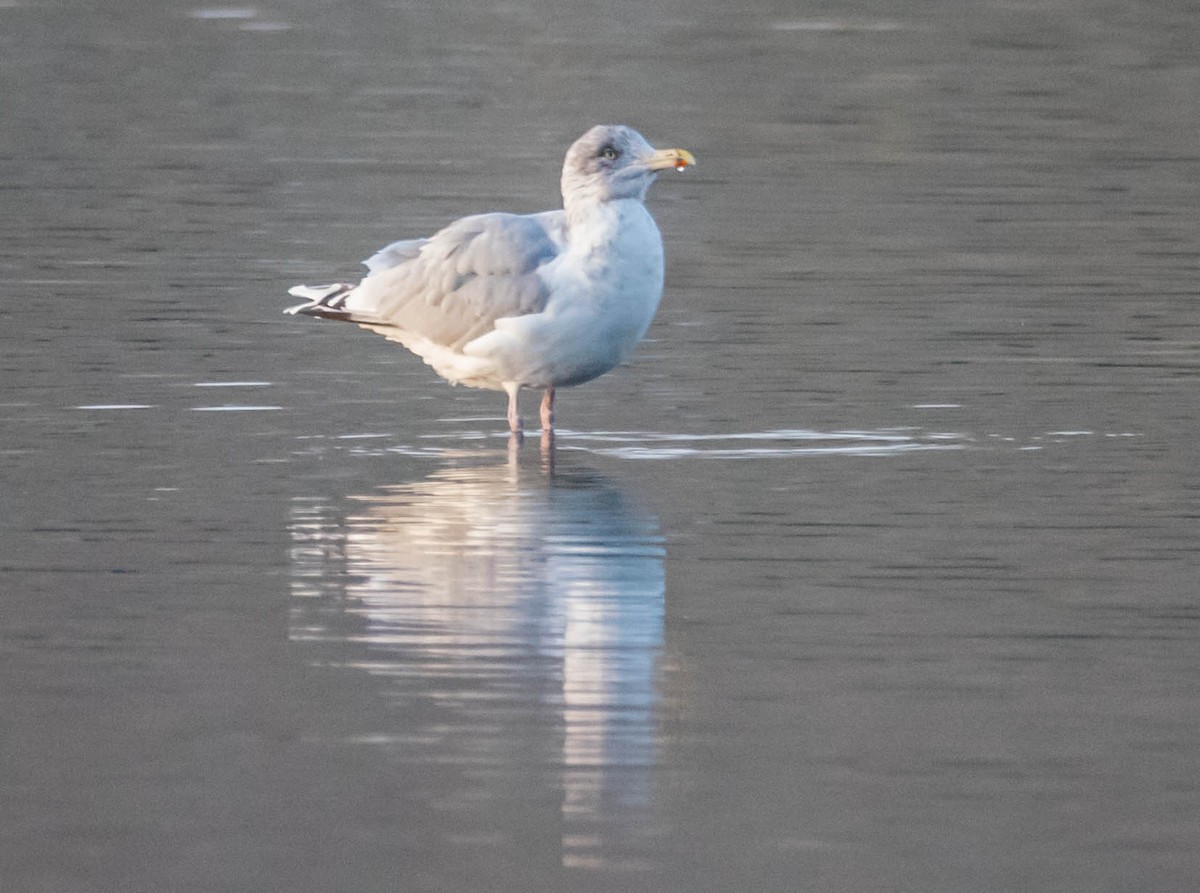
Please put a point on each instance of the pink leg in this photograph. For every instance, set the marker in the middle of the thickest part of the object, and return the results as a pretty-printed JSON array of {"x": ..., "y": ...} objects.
[
  {"x": 514, "y": 412},
  {"x": 548, "y": 409}
]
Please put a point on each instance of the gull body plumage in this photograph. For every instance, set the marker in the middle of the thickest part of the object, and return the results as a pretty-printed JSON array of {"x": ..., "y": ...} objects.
[{"x": 507, "y": 301}]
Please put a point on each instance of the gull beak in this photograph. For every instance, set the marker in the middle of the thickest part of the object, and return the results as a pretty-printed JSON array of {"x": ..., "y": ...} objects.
[{"x": 665, "y": 158}]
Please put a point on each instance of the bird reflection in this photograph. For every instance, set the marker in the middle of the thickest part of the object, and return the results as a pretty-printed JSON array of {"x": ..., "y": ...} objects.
[{"x": 519, "y": 612}]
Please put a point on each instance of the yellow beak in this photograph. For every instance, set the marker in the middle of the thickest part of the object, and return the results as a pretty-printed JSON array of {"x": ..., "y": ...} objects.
[{"x": 665, "y": 158}]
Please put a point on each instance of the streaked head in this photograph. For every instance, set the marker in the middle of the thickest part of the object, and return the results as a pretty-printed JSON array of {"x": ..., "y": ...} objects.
[{"x": 614, "y": 162}]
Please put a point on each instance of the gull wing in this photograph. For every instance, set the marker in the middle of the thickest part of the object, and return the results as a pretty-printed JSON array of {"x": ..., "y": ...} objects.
[
  {"x": 393, "y": 255},
  {"x": 452, "y": 287}
]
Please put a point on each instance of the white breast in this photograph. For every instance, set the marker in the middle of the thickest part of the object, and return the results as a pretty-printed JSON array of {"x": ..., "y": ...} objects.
[{"x": 604, "y": 288}]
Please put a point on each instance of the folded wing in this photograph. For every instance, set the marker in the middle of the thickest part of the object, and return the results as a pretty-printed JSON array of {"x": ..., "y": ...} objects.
[{"x": 452, "y": 287}]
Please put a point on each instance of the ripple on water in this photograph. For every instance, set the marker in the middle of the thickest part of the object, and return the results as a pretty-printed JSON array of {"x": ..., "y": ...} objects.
[
  {"x": 733, "y": 446},
  {"x": 233, "y": 384},
  {"x": 780, "y": 443}
]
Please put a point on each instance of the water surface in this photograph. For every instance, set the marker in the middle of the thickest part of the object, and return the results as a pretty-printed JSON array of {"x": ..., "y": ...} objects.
[{"x": 875, "y": 569}]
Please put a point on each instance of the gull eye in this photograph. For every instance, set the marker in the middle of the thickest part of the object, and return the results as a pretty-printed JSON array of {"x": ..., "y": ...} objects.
[{"x": 609, "y": 153}]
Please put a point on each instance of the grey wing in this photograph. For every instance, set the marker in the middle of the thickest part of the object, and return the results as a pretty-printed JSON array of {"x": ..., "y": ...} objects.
[
  {"x": 393, "y": 255},
  {"x": 452, "y": 287}
]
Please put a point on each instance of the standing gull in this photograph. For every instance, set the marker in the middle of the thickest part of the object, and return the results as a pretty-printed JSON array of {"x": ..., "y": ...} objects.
[{"x": 507, "y": 301}]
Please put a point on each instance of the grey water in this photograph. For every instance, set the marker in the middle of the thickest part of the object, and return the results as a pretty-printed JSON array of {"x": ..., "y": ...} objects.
[{"x": 875, "y": 569}]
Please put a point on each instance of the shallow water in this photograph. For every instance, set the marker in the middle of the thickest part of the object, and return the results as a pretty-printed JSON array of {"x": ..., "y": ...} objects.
[{"x": 875, "y": 569}]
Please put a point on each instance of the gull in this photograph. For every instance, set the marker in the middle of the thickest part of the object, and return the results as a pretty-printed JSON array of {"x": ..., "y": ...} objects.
[{"x": 508, "y": 301}]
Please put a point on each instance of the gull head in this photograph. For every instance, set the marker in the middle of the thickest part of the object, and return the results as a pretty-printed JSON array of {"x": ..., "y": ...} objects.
[{"x": 612, "y": 162}]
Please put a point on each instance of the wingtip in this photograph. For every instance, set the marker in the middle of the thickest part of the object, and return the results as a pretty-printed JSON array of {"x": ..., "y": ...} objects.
[
  {"x": 301, "y": 291},
  {"x": 320, "y": 300}
]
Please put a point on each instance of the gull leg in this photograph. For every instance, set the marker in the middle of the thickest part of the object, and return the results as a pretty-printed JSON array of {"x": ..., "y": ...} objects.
[
  {"x": 515, "y": 425},
  {"x": 548, "y": 410}
]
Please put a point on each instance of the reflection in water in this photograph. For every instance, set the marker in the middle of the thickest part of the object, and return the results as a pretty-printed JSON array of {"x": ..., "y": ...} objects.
[{"x": 516, "y": 619}]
